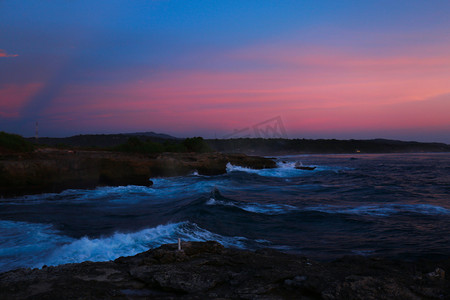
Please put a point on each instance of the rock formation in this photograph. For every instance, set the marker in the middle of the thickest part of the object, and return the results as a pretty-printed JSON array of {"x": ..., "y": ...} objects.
[
  {"x": 207, "y": 270},
  {"x": 56, "y": 170}
]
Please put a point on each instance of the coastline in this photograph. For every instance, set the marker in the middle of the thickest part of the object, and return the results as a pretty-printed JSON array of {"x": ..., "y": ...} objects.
[
  {"x": 207, "y": 270},
  {"x": 53, "y": 170}
]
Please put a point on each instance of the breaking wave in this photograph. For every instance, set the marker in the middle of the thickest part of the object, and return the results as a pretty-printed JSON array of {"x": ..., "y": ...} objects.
[
  {"x": 128, "y": 244},
  {"x": 283, "y": 169},
  {"x": 45, "y": 246}
]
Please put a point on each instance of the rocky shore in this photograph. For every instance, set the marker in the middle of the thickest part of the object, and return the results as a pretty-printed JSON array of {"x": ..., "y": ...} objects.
[
  {"x": 207, "y": 270},
  {"x": 52, "y": 170}
]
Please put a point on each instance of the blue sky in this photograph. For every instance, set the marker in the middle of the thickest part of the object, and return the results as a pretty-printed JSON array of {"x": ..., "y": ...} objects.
[{"x": 330, "y": 69}]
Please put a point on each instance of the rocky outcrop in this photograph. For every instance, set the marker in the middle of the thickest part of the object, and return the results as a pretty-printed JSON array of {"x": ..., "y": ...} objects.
[
  {"x": 50, "y": 170},
  {"x": 207, "y": 270}
]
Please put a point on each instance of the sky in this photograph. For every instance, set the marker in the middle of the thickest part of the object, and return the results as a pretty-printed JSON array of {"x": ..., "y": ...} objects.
[{"x": 321, "y": 69}]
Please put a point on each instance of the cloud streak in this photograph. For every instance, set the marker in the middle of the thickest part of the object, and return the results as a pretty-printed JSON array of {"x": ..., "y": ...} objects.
[{"x": 3, "y": 53}]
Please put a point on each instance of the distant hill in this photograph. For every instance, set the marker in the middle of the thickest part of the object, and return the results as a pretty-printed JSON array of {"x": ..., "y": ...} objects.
[
  {"x": 255, "y": 146},
  {"x": 152, "y": 134},
  {"x": 261, "y": 146},
  {"x": 102, "y": 140}
]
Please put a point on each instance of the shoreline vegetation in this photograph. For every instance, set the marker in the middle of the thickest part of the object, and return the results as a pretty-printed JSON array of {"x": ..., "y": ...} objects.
[
  {"x": 207, "y": 270},
  {"x": 157, "y": 143}
]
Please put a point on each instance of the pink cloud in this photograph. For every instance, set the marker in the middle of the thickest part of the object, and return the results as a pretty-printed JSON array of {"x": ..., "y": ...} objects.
[
  {"x": 429, "y": 113},
  {"x": 4, "y": 54},
  {"x": 317, "y": 90}
]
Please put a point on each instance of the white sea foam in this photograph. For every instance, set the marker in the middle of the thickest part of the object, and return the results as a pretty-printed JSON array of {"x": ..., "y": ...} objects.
[
  {"x": 34, "y": 245},
  {"x": 267, "y": 209},
  {"x": 283, "y": 170},
  {"x": 286, "y": 164},
  {"x": 232, "y": 168},
  {"x": 127, "y": 244},
  {"x": 280, "y": 171},
  {"x": 386, "y": 209}
]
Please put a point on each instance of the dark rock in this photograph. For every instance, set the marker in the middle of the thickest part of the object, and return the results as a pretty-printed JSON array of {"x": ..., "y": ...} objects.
[
  {"x": 50, "y": 170},
  {"x": 305, "y": 168},
  {"x": 299, "y": 166},
  {"x": 210, "y": 271},
  {"x": 438, "y": 273}
]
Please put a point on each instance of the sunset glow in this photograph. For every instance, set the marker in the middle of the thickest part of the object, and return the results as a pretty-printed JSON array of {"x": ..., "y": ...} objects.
[{"x": 353, "y": 71}]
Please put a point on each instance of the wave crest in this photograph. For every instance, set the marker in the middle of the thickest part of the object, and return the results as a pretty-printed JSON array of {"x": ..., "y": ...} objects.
[
  {"x": 128, "y": 244},
  {"x": 259, "y": 208},
  {"x": 283, "y": 169}
]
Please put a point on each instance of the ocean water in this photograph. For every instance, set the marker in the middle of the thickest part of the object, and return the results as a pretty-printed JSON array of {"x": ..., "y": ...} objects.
[{"x": 392, "y": 205}]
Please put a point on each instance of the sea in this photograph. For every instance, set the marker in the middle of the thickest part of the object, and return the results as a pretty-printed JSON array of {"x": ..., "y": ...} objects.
[{"x": 390, "y": 205}]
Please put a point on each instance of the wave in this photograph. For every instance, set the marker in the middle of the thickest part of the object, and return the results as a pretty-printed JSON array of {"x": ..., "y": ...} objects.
[
  {"x": 283, "y": 170},
  {"x": 382, "y": 209},
  {"x": 21, "y": 243},
  {"x": 289, "y": 165},
  {"x": 216, "y": 198},
  {"x": 280, "y": 171},
  {"x": 173, "y": 187},
  {"x": 128, "y": 244},
  {"x": 34, "y": 245},
  {"x": 259, "y": 208},
  {"x": 162, "y": 189},
  {"x": 106, "y": 193}
]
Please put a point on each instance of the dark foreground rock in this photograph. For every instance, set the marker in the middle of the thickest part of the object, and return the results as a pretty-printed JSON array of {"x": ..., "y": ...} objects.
[
  {"x": 210, "y": 271},
  {"x": 50, "y": 170}
]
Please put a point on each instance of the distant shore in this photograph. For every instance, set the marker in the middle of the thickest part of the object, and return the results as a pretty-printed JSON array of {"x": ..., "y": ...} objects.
[
  {"x": 207, "y": 270},
  {"x": 255, "y": 146},
  {"x": 53, "y": 170},
  {"x": 279, "y": 147}
]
